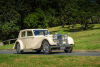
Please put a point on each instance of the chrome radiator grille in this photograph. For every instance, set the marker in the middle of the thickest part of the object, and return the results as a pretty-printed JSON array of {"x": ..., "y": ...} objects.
[{"x": 59, "y": 40}]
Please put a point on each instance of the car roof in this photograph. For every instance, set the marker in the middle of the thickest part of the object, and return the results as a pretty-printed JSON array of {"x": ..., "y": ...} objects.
[{"x": 33, "y": 29}]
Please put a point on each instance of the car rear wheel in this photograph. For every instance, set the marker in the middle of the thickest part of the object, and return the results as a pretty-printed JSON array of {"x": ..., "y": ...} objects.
[
  {"x": 46, "y": 47},
  {"x": 68, "y": 49},
  {"x": 18, "y": 49}
]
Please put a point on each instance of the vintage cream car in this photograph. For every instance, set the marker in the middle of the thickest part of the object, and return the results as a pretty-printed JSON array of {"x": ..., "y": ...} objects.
[{"x": 40, "y": 40}]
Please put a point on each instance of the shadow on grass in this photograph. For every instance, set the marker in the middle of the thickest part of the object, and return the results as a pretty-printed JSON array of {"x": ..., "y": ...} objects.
[
  {"x": 76, "y": 29},
  {"x": 95, "y": 28},
  {"x": 72, "y": 29}
]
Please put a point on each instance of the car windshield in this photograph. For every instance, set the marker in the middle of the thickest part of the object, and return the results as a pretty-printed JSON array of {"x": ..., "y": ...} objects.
[{"x": 41, "y": 32}]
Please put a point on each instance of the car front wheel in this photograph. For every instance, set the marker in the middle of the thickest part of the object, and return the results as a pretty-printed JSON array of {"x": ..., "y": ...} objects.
[
  {"x": 68, "y": 49},
  {"x": 46, "y": 47}
]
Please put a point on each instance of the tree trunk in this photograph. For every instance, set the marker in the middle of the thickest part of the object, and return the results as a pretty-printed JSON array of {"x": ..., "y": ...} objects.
[
  {"x": 98, "y": 19},
  {"x": 85, "y": 26},
  {"x": 92, "y": 20},
  {"x": 73, "y": 25},
  {"x": 63, "y": 25}
]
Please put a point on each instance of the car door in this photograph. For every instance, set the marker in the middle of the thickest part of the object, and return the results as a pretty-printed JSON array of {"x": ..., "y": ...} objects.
[
  {"x": 23, "y": 37},
  {"x": 30, "y": 39}
]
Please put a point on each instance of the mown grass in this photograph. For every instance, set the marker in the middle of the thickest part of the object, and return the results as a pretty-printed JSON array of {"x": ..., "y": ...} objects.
[
  {"x": 84, "y": 40},
  {"x": 48, "y": 61}
]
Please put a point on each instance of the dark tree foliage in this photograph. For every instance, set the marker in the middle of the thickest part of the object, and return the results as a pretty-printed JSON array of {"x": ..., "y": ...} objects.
[{"x": 21, "y": 14}]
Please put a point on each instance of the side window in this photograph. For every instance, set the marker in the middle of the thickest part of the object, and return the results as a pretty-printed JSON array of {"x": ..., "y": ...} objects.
[
  {"x": 23, "y": 34},
  {"x": 29, "y": 33}
]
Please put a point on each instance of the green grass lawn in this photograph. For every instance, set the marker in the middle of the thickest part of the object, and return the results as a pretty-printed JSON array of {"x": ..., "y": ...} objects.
[
  {"x": 84, "y": 40},
  {"x": 10, "y": 46},
  {"x": 48, "y": 61}
]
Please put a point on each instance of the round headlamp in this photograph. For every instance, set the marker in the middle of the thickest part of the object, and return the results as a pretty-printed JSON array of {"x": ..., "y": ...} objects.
[{"x": 65, "y": 36}]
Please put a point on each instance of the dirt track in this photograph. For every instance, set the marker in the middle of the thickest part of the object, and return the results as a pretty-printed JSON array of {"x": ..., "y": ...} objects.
[{"x": 74, "y": 53}]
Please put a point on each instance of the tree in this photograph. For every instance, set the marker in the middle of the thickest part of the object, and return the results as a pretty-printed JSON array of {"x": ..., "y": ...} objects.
[
  {"x": 20, "y": 14},
  {"x": 36, "y": 20},
  {"x": 8, "y": 20},
  {"x": 51, "y": 18}
]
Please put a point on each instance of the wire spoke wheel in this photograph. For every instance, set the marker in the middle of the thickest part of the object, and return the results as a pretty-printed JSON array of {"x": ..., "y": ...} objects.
[
  {"x": 68, "y": 49},
  {"x": 46, "y": 47},
  {"x": 18, "y": 49}
]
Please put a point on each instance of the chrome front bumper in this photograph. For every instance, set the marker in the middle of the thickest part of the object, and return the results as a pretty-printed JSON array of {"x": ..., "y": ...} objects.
[{"x": 60, "y": 46}]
